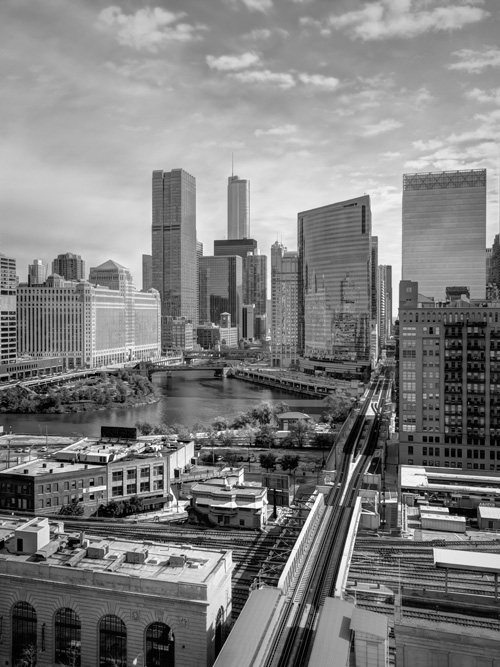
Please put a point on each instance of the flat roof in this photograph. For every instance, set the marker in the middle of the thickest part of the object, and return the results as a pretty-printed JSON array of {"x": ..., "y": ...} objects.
[
  {"x": 370, "y": 623},
  {"x": 40, "y": 467},
  {"x": 333, "y": 634},
  {"x": 428, "y": 479},
  {"x": 217, "y": 485},
  {"x": 451, "y": 518},
  {"x": 246, "y": 636},
  {"x": 456, "y": 559}
]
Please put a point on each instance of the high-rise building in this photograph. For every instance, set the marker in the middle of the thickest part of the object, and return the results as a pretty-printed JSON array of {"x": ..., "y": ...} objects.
[
  {"x": 240, "y": 247},
  {"x": 8, "y": 288},
  {"x": 147, "y": 272},
  {"x": 37, "y": 272},
  {"x": 449, "y": 381},
  {"x": 284, "y": 305},
  {"x": 174, "y": 249},
  {"x": 493, "y": 276},
  {"x": 248, "y": 321},
  {"x": 221, "y": 288},
  {"x": 255, "y": 282},
  {"x": 69, "y": 266},
  {"x": 444, "y": 231},
  {"x": 335, "y": 293},
  {"x": 384, "y": 308},
  {"x": 238, "y": 208}
]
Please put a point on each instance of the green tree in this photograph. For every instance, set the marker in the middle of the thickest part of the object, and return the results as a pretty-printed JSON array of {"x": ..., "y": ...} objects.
[
  {"x": 336, "y": 408},
  {"x": 74, "y": 508},
  {"x": 231, "y": 457},
  {"x": 263, "y": 413},
  {"x": 268, "y": 461},
  {"x": 144, "y": 428},
  {"x": 220, "y": 424},
  {"x": 300, "y": 433},
  {"x": 279, "y": 408},
  {"x": 242, "y": 420},
  {"x": 323, "y": 440},
  {"x": 248, "y": 435},
  {"x": 265, "y": 436},
  {"x": 289, "y": 462}
]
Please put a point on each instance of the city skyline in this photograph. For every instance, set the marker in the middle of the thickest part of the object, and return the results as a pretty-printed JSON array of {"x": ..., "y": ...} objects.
[{"x": 96, "y": 97}]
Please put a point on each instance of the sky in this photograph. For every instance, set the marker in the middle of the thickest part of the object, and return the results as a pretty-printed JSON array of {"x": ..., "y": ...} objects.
[{"x": 318, "y": 100}]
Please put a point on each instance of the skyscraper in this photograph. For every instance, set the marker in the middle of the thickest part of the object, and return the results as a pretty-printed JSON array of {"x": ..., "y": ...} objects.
[
  {"x": 444, "y": 231},
  {"x": 147, "y": 272},
  {"x": 8, "y": 319},
  {"x": 284, "y": 304},
  {"x": 69, "y": 266},
  {"x": 255, "y": 282},
  {"x": 335, "y": 294},
  {"x": 238, "y": 208},
  {"x": 174, "y": 243},
  {"x": 384, "y": 309},
  {"x": 221, "y": 289},
  {"x": 37, "y": 272}
]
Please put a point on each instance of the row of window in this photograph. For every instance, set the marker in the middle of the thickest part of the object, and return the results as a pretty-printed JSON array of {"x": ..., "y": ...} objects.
[
  {"x": 132, "y": 473},
  {"x": 159, "y": 640}
]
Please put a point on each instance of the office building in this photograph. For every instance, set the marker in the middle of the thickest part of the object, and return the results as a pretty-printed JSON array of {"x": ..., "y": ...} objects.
[
  {"x": 147, "y": 272},
  {"x": 493, "y": 276},
  {"x": 178, "y": 334},
  {"x": 384, "y": 308},
  {"x": 255, "y": 282},
  {"x": 240, "y": 247},
  {"x": 444, "y": 231},
  {"x": 284, "y": 305},
  {"x": 229, "y": 334},
  {"x": 69, "y": 266},
  {"x": 449, "y": 381},
  {"x": 335, "y": 292},
  {"x": 247, "y": 322},
  {"x": 8, "y": 287},
  {"x": 174, "y": 249},
  {"x": 87, "y": 325},
  {"x": 221, "y": 288},
  {"x": 37, "y": 272},
  {"x": 238, "y": 208},
  {"x": 104, "y": 601},
  {"x": 208, "y": 336}
]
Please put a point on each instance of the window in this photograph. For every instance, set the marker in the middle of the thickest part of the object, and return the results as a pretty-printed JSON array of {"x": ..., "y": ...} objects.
[
  {"x": 131, "y": 488},
  {"x": 66, "y": 486},
  {"x": 67, "y": 636},
  {"x": 91, "y": 481},
  {"x": 160, "y": 646},
  {"x": 117, "y": 476},
  {"x": 144, "y": 472},
  {"x": 144, "y": 486},
  {"x": 24, "y": 633},
  {"x": 410, "y": 450},
  {"x": 112, "y": 642}
]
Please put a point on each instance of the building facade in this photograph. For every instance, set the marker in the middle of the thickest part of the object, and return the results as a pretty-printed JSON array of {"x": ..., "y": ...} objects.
[
  {"x": 444, "y": 231},
  {"x": 37, "y": 272},
  {"x": 69, "y": 266},
  {"x": 8, "y": 318},
  {"x": 174, "y": 249},
  {"x": 335, "y": 291},
  {"x": 255, "y": 282},
  {"x": 238, "y": 208},
  {"x": 449, "y": 382},
  {"x": 105, "y": 601},
  {"x": 384, "y": 308},
  {"x": 221, "y": 288},
  {"x": 284, "y": 305},
  {"x": 240, "y": 247},
  {"x": 147, "y": 272},
  {"x": 86, "y": 324}
]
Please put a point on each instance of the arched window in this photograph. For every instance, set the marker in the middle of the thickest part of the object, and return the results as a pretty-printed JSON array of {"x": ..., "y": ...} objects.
[
  {"x": 24, "y": 636},
  {"x": 219, "y": 639},
  {"x": 67, "y": 634},
  {"x": 112, "y": 642},
  {"x": 160, "y": 646}
]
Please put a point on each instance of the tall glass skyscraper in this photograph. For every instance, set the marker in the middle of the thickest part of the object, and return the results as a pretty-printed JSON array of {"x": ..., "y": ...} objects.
[
  {"x": 174, "y": 252},
  {"x": 284, "y": 304},
  {"x": 335, "y": 295},
  {"x": 221, "y": 289},
  {"x": 444, "y": 231},
  {"x": 238, "y": 208}
]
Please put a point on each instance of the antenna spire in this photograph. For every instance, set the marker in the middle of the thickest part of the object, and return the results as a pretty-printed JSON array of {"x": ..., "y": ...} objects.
[{"x": 232, "y": 165}]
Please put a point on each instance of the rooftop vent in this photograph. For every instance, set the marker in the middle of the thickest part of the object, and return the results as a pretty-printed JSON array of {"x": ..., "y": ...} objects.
[
  {"x": 26, "y": 471},
  {"x": 137, "y": 556},
  {"x": 177, "y": 561}
]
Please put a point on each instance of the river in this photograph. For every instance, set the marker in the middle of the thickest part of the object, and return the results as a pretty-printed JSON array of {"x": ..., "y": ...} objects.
[{"x": 186, "y": 398}]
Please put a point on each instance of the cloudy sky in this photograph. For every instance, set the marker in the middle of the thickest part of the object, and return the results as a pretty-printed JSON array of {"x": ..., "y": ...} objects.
[{"x": 319, "y": 100}]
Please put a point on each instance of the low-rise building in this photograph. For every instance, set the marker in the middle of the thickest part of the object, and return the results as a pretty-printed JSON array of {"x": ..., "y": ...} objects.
[
  {"x": 77, "y": 600},
  {"x": 229, "y": 501}
]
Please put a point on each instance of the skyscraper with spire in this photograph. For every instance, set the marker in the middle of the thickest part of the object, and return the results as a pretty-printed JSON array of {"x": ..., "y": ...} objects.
[{"x": 238, "y": 208}]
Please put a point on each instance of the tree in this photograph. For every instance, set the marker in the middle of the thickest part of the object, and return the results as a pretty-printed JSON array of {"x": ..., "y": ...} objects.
[
  {"x": 323, "y": 440},
  {"x": 27, "y": 657},
  {"x": 248, "y": 435},
  {"x": 279, "y": 408},
  {"x": 336, "y": 408},
  {"x": 268, "y": 461},
  {"x": 265, "y": 436},
  {"x": 74, "y": 508},
  {"x": 242, "y": 420},
  {"x": 231, "y": 457},
  {"x": 300, "y": 432},
  {"x": 144, "y": 428},
  {"x": 220, "y": 424},
  {"x": 226, "y": 438},
  {"x": 289, "y": 462},
  {"x": 263, "y": 413}
]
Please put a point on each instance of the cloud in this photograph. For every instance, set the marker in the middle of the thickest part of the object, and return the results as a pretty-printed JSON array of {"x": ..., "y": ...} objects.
[
  {"x": 374, "y": 129},
  {"x": 281, "y": 79},
  {"x": 280, "y": 130},
  {"x": 474, "y": 62},
  {"x": 320, "y": 81},
  {"x": 263, "y": 6},
  {"x": 148, "y": 29},
  {"x": 265, "y": 33},
  {"x": 232, "y": 63},
  {"x": 404, "y": 18},
  {"x": 430, "y": 145},
  {"x": 484, "y": 95},
  {"x": 390, "y": 155}
]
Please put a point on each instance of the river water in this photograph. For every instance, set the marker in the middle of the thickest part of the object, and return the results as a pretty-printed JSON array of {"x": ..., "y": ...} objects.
[{"x": 186, "y": 398}]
